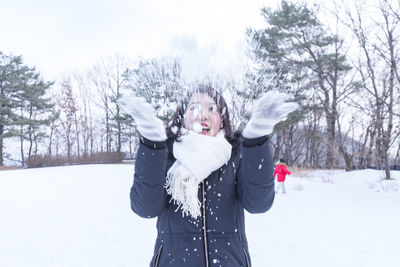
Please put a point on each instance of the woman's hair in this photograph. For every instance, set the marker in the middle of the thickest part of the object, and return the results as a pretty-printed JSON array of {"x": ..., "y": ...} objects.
[{"x": 177, "y": 121}]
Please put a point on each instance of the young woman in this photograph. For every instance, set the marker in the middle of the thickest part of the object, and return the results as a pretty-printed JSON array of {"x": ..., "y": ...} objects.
[{"x": 197, "y": 177}]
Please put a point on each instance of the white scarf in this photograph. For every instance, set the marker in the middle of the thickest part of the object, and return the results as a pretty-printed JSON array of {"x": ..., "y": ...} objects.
[{"x": 197, "y": 156}]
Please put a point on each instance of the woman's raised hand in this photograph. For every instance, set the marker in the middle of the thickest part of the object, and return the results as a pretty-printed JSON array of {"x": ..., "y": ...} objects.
[
  {"x": 147, "y": 123},
  {"x": 270, "y": 109}
]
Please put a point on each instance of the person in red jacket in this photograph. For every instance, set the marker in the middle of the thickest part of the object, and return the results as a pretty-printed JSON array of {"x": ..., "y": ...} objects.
[{"x": 280, "y": 173}]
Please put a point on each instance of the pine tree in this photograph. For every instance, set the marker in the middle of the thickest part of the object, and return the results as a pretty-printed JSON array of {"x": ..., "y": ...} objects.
[
  {"x": 10, "y": 72},
  {"x": 35, "y": 111},
  {"x": 297, "y": 50},
  {"x": 22, "y": 103}
]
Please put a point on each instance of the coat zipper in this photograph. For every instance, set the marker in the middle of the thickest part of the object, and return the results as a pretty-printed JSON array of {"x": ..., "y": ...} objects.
[
  {"x": 204, "y": 224},
  {"x": 157, "y": 259},
  {"x": 247, "y": 258}
]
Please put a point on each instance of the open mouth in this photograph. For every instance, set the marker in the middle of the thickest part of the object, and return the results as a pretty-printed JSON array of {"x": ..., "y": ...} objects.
[{"x": 204, "y": 129}]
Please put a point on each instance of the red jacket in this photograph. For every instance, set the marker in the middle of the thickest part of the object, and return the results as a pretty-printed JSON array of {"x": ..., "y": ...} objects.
[{"x": 281, "y": 171}]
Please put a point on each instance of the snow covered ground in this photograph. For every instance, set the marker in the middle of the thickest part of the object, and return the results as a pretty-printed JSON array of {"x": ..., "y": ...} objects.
[{"x": 80, "y": 216}]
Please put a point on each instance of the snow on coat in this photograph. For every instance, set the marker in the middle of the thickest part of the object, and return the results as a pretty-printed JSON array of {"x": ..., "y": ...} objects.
[
  {"x": 217, "y": 237},
  {"x": 281, "y": 171}
]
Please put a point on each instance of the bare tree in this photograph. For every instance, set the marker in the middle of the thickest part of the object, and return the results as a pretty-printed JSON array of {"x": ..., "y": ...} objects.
[
  {"x": 108, "y": 78},
  {"x": 378, "y": 70},
  {"x": 86, "y": 100},
  {"x": 68, "y": 106}
]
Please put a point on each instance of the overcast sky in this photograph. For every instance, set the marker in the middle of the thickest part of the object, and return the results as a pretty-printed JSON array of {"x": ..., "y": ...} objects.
[{"x": 65, "y": 36}]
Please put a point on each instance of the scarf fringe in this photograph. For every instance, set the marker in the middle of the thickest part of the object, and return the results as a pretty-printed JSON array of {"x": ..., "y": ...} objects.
[{"x": 183, "y": 191}]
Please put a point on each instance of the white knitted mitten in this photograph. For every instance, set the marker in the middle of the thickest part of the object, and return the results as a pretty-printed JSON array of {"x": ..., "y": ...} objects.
[
  {"x": 147, "y": 123},
  {"x": 270, "y": 109}
]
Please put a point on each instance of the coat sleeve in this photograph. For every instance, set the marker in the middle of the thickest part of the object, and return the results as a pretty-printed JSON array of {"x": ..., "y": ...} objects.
[
  {"x": 255, "y": 179},
  {"x": 148, "y": 196}
]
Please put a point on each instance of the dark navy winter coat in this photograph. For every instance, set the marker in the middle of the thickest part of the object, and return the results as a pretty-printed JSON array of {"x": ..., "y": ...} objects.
[{"x": 217, "y": 238}]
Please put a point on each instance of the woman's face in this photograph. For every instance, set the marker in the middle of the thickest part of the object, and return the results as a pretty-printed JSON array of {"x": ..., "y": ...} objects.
[{"x": 202, "y": 115}]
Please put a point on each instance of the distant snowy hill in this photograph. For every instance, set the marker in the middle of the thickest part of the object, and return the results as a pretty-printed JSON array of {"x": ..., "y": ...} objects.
[{"x": 80, "y": 216}]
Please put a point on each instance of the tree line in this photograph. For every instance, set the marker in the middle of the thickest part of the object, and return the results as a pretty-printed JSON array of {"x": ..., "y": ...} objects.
[{"x": 344, "y": 76}]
